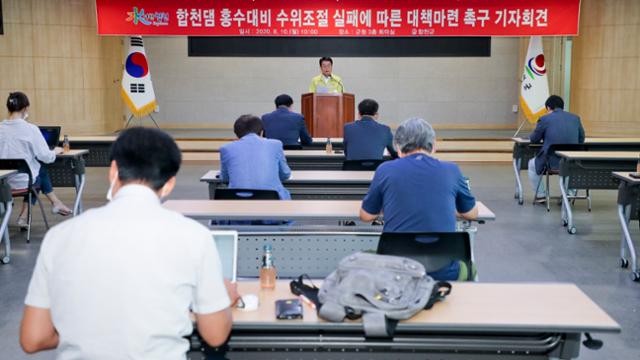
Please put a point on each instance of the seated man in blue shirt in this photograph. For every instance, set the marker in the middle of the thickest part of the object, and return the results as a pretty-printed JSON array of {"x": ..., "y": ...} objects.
[
  {"x": 556, "y": 127},
  {"x": 253, "y": 162},
  {"x": 418, "y": 193},
  {"x": 284, "y": 124},
  {"x": 366, "y": 139}
]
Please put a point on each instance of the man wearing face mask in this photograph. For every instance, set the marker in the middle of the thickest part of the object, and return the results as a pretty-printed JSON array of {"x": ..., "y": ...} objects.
[{"x": 119, "y": 281}]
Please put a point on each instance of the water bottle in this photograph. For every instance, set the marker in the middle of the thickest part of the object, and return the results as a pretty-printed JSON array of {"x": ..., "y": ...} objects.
[
  {"x": 267, "y": 270},
  {"x": 65, "y": 144},
  {"x": 329, "y": 146}
]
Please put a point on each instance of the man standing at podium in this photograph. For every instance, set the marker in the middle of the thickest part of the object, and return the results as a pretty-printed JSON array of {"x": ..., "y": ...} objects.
[{"x": 326, "y": 82}]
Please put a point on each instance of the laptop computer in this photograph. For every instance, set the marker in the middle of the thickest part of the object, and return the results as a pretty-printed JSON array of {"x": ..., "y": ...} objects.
[
  {"x": 227, "y": 245},
  {"x": 51, "y": 135}
]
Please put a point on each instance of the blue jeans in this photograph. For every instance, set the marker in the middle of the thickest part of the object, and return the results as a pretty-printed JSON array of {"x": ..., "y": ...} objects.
[{"x": 42, "y": 183}]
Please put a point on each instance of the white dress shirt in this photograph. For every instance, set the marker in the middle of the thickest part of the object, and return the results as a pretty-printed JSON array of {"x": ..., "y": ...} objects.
[
  {"x": 120, "y": 280},
  {"x": 22, "y": 140}
]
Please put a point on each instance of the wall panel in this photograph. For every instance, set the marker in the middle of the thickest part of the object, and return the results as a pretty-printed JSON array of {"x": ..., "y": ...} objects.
[
  {"x": 51, "y": 52},
  {"x": 605, "y": 85}
]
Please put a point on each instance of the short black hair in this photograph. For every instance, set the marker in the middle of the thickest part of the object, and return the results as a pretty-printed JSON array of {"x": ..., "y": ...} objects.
[
  {"x": 325, "y": 58},
  {"x": 368, "y": 107},
  {"x": 17, "y": 101},
  {"x": 147, "y": 155},
  {"x": 247, "y": 124},
  {"x": 554, "y": 102},
  {"x": 284, "y": 99}
]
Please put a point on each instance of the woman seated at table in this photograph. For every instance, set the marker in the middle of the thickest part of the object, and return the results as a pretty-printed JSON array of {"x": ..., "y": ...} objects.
[{"x": 22, "y": 140}]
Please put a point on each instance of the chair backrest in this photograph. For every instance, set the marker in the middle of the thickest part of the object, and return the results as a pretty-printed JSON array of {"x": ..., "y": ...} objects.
[
  {"x": 19, "y": 165},
  {"x": 292, "y": 147},
  {"x": 245, "y": 194},
  {"x": 361, "y": 165},
  {"x": 433, "y": 250},
  {"x": 14, "y": 164}
]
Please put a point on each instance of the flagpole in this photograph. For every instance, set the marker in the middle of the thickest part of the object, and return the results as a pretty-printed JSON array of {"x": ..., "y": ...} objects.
[{"x": 520, "y": 127}]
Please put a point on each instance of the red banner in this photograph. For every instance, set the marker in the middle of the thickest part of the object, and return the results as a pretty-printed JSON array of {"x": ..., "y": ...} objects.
[{"x": 376, "y": 18}]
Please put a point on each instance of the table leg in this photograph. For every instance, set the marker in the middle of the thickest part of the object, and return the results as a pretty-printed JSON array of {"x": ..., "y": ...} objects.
[
  {"x": 567, "y": 215},
  {"x": 6, "y": 209},
  {"x": 519, "y": 192},
  {"x": 466, "y": 226},
  {"x": 624, "y": 215},
  {"x": 77, "y": 205},
  {"x": 570, "y": 348}
]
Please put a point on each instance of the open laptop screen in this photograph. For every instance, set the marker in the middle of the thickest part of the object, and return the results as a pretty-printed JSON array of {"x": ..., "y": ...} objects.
[
  {"x": 51, "y": 135},
  {"x": 227, "y": 245}
]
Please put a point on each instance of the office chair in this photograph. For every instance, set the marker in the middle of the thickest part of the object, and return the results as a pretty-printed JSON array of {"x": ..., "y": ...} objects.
[
  {"x": 361, "y": 165},
  {"x": 31, "y": 191},
  {"x": 548, "y": 172},
  {"x": 433, "y": 250},
  {"x": 245, "y": 194},
  {"x": 292, "y": 147}
]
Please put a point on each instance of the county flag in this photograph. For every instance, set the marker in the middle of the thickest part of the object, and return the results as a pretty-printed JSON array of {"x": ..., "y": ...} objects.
[
  {"x": 137, "y": 89},
  {"x": 534, "y": 89}
]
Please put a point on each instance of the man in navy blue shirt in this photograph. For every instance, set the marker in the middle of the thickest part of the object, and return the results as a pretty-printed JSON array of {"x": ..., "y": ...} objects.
[
  {"x": 556, "y": 127},
  {"x": 284, "y": 124},
  {"x": 418, "y": 193},
  {"x": 366, "y": 138},
  {"x": 254, "y": 162}
]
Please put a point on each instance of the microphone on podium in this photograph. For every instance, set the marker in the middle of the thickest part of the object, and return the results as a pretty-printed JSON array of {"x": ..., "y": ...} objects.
[{"x": 339, "y": 82}]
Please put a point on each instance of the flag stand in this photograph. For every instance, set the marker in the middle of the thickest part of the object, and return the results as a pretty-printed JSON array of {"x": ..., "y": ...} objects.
[{"x": 140, "y": 118}]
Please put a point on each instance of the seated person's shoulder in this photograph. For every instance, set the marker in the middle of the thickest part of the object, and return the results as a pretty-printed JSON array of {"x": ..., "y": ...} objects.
[
  {"x": 545, "y": 117},
  {"x": 449, "y": 166},
  {"x": 391, "y": 167},
  {"x": 273, "y": 143},
  {"x": 189, "y": 227},
  {"x": 226, "y": 147}
]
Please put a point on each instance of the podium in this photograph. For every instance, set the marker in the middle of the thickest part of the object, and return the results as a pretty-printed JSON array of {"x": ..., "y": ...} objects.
[{"x": 326, "y": 113}]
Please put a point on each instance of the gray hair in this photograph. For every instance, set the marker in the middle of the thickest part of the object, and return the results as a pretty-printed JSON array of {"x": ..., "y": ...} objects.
[{"x": 413, "y": 134}]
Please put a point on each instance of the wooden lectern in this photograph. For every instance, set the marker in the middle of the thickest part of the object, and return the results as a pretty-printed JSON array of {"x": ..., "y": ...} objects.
[{"x": 326, "y": 113}]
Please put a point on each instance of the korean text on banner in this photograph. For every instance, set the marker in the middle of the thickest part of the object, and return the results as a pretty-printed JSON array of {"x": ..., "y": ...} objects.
[{"x": 375, "y": 18}]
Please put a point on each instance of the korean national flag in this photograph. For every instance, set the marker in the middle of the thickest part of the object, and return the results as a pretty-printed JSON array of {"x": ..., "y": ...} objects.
[{"x": 137, "y": 89}]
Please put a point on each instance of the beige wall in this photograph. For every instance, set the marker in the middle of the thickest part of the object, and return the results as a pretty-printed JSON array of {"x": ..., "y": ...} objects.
[
  {"x": 51, "y": 52},
  {"x": 449, "y": 92},
  {"x": 606, "y": 67}
]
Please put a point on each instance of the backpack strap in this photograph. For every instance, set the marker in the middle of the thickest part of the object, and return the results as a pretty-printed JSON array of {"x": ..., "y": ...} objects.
[
  {"x": 440, "y": 290},
  {"x": 376, "y": 324}
]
